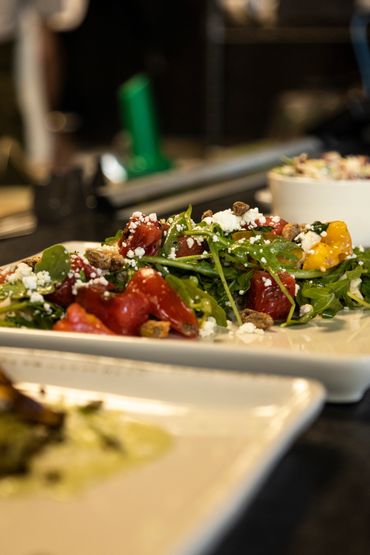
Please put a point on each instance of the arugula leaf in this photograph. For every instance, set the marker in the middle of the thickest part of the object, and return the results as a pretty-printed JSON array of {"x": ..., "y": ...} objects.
[
  {"x": 55, "y": 261},
  {"x": 180, "y": 223},
  {"x": 196, "y": 298},
  {"x": 12, "y": 290},
  {"x": 114, "y": 239},
  {"x": 32, "y": 315},
  {"x": 319, "y": 227}
]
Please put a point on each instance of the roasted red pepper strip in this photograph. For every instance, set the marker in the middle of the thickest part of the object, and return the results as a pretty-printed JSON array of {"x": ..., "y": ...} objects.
[
  {"x": 277, "y": 224},
  {"x": 187, "y": 246},
  {"x": 77, "y": 319},
  {"x": 63, "y": 295},
  {"x": 123, "y": 313},
  {"x": 141, "y": 232},
  {"x": 265, "y": 295},
  {"x": 165, "y": 302}
]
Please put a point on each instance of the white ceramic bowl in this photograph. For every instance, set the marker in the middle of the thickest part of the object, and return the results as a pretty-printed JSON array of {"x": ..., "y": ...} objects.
[{"x": 305, "y": 200}]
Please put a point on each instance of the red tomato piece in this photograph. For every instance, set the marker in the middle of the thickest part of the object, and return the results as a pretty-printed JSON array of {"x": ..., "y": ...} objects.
[
  {"x": 77, "y": 319},
  {"x": 63, "y": 295},
  {"x": 142, "y": 232},
  {"x": 124, "y": 313},
  {"x": 4, "y": 275},
  {"x": 277, "y": 224},
  {"x": 165, "y": 302},
  {"x": 265, "y": 295},
  {"x": 187, "y": 246}
]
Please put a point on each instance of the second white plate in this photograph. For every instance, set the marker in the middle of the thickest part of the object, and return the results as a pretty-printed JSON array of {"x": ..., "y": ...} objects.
[{"x": 228, "y": 431}]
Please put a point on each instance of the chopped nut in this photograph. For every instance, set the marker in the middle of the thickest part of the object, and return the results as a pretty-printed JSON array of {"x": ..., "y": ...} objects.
[
  {"x": 32, "y": 261},
  {"x": 105, "y": 260},
  {"x": 99, "y": 258},
  {"x": 155, "y": 328},
  {"x": 290, "y": 231},
  {"x": 261, "y": 320},
  {"x": 240, "y": 208},
  {"x": 117, "y": 262},
  {"x": 207, "y": 214}
]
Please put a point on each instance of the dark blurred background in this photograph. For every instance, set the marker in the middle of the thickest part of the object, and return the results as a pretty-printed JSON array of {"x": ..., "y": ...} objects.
[{"x": 219, "y": 74}]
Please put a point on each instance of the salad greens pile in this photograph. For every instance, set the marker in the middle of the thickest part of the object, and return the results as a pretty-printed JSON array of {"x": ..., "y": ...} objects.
[{"x": 214, "y": 282}]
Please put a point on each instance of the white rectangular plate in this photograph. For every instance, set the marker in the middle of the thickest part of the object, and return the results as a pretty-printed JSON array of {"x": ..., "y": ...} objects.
[
  {"x": 228, "y": 431},
  {"x": 335, "y": 352}
]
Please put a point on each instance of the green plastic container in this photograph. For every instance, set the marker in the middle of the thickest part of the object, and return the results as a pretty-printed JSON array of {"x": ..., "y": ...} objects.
[{"x": 139, "y": 118}]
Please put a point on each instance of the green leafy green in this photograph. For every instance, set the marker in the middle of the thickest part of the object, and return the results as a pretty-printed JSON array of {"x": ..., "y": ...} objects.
[
  {"x": 114, "y": 239},
  {"x": 197, "y": 299},
  {"x": 55, "y": 261}
]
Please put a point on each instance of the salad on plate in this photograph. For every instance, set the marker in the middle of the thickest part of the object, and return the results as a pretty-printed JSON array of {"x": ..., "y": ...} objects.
[{"x": 235, "y": 271}]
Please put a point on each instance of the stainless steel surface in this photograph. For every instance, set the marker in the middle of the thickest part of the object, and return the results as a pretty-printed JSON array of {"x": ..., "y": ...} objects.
[{"x": 177, "y": 181}]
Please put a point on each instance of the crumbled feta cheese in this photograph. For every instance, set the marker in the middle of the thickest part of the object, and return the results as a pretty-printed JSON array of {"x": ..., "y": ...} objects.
[
  {"x": 130, "y": 253},
  {"x": 21, "y": 271},
  {"x": 172, "y": 254},
  {"x": 354, "y": 287},
  {"x": 263, "y": 260},
  {"x": 199, "y": 239},
  {"x": 36, "y": 297},
  {"x": 152, "y": 217},
  {"x": 43, "y": 277},
  {"x": 308, "y": 240},
  {"x": 305, "y": 309},
  {"x": 30, "y": 282},
  {"x": 190, "y": 242},
  {"x": 248, "y": 328},
  {"x": 275, "y": 219},
  {"x": 139, "y": 252},
  {"x": 266, "y": 281},
  {"x": 227, "y": 220},
  {"x": 208, "y": 328},
  {"x": 251, "y": 216}
]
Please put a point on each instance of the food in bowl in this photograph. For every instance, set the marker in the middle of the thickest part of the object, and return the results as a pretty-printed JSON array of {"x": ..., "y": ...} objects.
[
  {"x": 237, "y": 271},
  {"x": 331, "y": 187},
  {"x": 331, "y": 165}
]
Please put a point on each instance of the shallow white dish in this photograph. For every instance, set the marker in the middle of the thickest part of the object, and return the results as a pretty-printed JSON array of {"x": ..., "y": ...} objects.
[
  {"x": 305, "y": 200},
  {"x": 228, "y": 431},
  {"x": 335, "y": 352}
]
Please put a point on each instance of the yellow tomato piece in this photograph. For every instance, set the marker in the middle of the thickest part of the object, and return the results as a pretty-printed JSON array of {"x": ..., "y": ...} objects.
[
  {"x": 321, "y": 258},
  {"x": 338, "y": 236},
  {"x": 332, "y": 249}
]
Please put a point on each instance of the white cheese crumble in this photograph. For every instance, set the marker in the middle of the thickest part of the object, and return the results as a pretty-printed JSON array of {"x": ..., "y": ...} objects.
[
  {"x": 248, "y": 328},
  {"x": 354, "y": 287},
  {"x": 21, "y": 271},
  {"x": 227, "y": 220},
  {"x": 208, "y": 328},
  {"x": 190, "y": 242},
  {"x": 308, "y": 240},
  {"x": 305, "y": 309},
  {"x": 30, "y": 282},
  {"x": 139, "y": 252},
  {"x": 266, "y": 281},
  {"x": 36, "y": 297},
  {"x": 172, "y": 253},
  {"x": 251, "y": 216}
]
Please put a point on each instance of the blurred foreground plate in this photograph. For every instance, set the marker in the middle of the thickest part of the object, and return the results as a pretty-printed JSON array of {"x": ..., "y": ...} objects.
[{"x": 228, "y": 431}]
